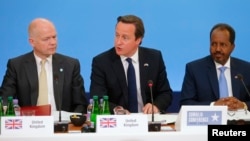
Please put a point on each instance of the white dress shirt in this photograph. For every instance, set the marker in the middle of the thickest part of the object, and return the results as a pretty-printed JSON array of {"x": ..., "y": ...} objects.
[
  {"x": 135, "y": 61},
  {"x": 227, "y": 73},
  {"x": 49, "y": 72}
]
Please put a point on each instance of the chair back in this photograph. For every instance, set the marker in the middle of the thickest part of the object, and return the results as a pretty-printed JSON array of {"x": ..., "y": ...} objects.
[{"x": 42, "y": 110}]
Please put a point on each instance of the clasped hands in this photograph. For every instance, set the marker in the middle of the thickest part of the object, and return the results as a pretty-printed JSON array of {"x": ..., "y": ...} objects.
[{"x": 232, "y": 103}]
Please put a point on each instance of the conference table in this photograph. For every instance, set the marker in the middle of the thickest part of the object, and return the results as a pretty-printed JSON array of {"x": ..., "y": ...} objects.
[
  {"x": 168, "y": 132},
  {"x": 171, "y": 136},
  {"x": 150, "y": 136}
]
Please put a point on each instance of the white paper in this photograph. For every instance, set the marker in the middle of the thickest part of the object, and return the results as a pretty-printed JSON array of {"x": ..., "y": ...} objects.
[
  {"x": 164, "y": 118},
  {"x": 65, "y": 116},
  {"x": 240, "y": 114}
]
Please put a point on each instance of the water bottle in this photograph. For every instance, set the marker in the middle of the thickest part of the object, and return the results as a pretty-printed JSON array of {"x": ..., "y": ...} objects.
[
  {"x": 10, "y": 107},
  {"x": 89, "y": 109},
  {"x": 17, "y": 108},
  {"x": 1, "y": 107},
  {"x": 105, "y": 106},
  {"x": 94, "y": 113}
]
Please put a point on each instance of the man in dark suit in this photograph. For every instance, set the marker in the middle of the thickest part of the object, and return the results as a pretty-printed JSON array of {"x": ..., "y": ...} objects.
[
  {"x": 109, "y": 70},
  {"x": 64, "y": 83},
  {"x": 201, "y": 85}
]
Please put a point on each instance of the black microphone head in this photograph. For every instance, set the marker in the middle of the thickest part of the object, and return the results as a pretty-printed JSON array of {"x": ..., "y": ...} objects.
[
  {"x": 239, "y": 76},
  {"x": 150, "y": 83}
]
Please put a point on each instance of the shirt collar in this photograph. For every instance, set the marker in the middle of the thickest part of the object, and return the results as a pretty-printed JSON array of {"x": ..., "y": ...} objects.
[
  {"x": 227, "y": 65},
  {"x": 38, "y": 59},
  {"x": 133, "y": 57}
]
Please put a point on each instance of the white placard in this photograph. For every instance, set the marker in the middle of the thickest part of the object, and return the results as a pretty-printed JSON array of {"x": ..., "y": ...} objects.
[
  {"x": 196, "y": 118},
  {"x": 134, "y": 123},
  {"x": 27, "y": 125}
]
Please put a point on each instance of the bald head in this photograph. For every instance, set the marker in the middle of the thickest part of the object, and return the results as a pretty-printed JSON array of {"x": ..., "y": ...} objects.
[
  {"x": 39, "y": 24},
  {"x": 42, "y": 37}
]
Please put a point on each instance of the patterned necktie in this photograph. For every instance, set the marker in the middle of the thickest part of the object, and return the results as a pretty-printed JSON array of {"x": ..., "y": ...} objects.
[
  {"x": 132, "y": 93},
  {"x": 223, "y": 83},
  {"x": 43, "y": 86}
]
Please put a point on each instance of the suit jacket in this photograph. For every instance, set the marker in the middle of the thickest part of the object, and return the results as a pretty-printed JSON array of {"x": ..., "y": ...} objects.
[
  {"x": 201, "y": 86},
  {"x": 21, "y": 81},
  {"x": 108, "y": 78}
]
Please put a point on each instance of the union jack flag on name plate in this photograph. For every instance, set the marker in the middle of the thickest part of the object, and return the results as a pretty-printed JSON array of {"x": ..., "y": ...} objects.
[
  {"x": 13, "y": 124},
  {"x": 108, "y": 122}
]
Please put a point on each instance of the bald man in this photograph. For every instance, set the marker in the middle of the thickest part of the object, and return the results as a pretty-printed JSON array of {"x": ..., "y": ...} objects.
[{"x": 65, "y": 85}]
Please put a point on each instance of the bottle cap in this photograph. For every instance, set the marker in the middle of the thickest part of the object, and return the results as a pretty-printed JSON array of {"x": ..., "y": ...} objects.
[
  {"x": 105, "y": 97},
  {"x": 95, "y": 97},
  {"x": 101, "y": 100},
  {"x": 90, "y": 101},
  {"x": 15, "y": 101},
  {"x": 10, "y": 98}
]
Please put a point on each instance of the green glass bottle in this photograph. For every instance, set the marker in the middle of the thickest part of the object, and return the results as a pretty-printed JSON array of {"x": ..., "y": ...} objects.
[
  {"x": 10, "y": 107},
  {"x": 94, "y": 113},
  {"x": 1, "y": 107},
  {"x": 105, "y": 107}
]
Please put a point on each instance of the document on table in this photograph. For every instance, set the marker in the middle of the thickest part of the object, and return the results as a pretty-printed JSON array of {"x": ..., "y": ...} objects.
[
  {"x": 65, "y": 116},
  {"x": 164, "y": 118},
  {"x": 239, "y": 114}
]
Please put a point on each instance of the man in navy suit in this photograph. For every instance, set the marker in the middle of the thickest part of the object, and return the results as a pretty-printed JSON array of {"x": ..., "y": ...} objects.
[
  {"x": 201, "y": 85},
  {"x": 64, "y": 82},
  {"x": 109, "y": 70}
]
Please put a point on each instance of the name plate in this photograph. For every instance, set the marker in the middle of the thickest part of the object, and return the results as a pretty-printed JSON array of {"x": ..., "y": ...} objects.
[
  {"x": 134, "y": 123},
  {"x": 196, "y": 118},
  {"x": 27, "y": 125}
]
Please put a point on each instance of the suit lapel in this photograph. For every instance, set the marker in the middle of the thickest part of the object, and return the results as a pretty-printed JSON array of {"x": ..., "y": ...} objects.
[
  {"x": 119, "y": 72},
  {"x": 58, "y": 78},
  {"x": 32, "y": 74},
  {"x": 212, "y": 76},
  {"x": 144, "y": 65},
  {"x": 235, "y": 82}
]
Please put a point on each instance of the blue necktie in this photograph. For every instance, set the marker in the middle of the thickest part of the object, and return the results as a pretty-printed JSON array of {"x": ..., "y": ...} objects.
[
  {"x": 223, "y": 83},
  {"x": 132, "y": 93}
]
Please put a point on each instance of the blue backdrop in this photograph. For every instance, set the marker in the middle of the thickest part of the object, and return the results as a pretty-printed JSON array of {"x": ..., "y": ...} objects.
[{"x": 179, "y": 28}]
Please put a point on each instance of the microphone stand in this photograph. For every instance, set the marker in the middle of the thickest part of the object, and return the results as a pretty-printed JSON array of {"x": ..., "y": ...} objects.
[
  {"x": 152, "y": 100},
  {"x": 240, "y": 121},
  {"x": 240, "y": 77},
  {"x": 153, "y": 126},
  {"x": 60, "y": 126}
]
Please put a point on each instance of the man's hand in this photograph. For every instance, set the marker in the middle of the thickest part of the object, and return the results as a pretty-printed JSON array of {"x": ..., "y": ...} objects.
[
  {"x": 119, "y": 110},
  {"x": 147, "y": 109},
  {"x": 232, "y": 103}
]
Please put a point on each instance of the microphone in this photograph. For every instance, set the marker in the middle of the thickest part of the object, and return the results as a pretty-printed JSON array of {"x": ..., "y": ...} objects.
[
  {"x": 150, "y": 85},
  {"x": 153, "y": 126},
  {"x": 240, "y": 121},
  {"x": 60, "y": 126},
  {"x": 59, "y": 97},
  {"x": 240, "y": 77}
]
